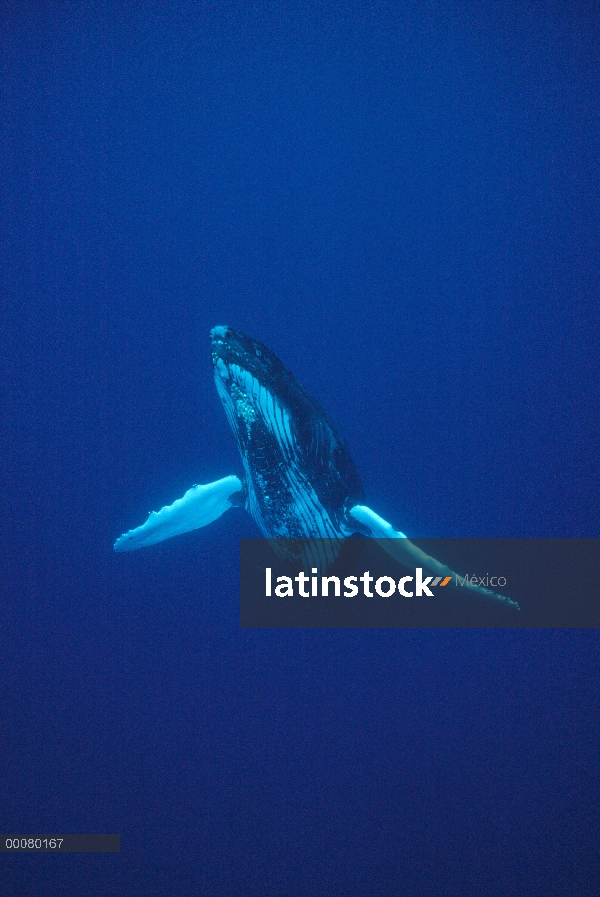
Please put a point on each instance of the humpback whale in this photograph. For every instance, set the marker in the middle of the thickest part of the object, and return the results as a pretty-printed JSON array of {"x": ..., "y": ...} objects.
[{"x": 299, "y": 480}]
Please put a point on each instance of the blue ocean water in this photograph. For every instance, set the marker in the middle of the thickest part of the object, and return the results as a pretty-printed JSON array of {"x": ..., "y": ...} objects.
[{"x": 401, "y": 201}]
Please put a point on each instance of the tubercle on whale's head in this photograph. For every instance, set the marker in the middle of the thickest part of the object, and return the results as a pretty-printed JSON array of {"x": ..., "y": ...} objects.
[{"x": 231, "y": 348}]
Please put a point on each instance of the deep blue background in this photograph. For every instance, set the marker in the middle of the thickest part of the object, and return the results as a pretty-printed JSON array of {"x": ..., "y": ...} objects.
[{"x": 401, "y": 200}]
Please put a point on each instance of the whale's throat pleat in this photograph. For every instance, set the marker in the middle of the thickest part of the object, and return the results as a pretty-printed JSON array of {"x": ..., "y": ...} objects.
[{"x": 280, "y": 469}]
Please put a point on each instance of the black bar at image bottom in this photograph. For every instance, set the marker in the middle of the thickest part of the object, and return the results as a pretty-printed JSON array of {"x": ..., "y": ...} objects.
[{"x": 60, "y": 843}]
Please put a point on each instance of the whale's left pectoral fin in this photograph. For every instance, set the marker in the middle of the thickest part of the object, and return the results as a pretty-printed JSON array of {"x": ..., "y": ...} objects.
[
  {"x": 406, "y": 553},
  {"x": 199, "y": 506}
]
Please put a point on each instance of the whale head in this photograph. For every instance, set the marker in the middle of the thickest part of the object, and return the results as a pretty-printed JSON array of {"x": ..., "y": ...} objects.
[
  {"x": 238, "y": 358},
  {"x": 255, "y": 388},
  {"x": 294, "y": 458}
]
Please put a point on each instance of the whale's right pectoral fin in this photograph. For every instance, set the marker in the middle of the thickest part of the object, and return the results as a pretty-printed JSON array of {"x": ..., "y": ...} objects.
[
  {"x": 199, "y": 506},
  {"x": 407, "y": 553}
]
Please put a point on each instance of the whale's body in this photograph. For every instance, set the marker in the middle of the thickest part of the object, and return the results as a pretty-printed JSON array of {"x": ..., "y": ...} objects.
[{"x": 299, "y": 481}]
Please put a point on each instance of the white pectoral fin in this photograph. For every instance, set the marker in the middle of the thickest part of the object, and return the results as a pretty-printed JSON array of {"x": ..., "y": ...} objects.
[
  {"x": 408, "y": 554},
  {"x": 199, "y": 506}
]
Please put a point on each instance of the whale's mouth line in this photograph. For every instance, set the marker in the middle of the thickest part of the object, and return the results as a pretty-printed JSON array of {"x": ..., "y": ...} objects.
[
  {"x": 238, "y": 368},
  {"x": 231, "y": 374},
  {"x": 221, "y": 369},
  {"x": 227, "y": 357},
  {"x": 236, "y": 356}
]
